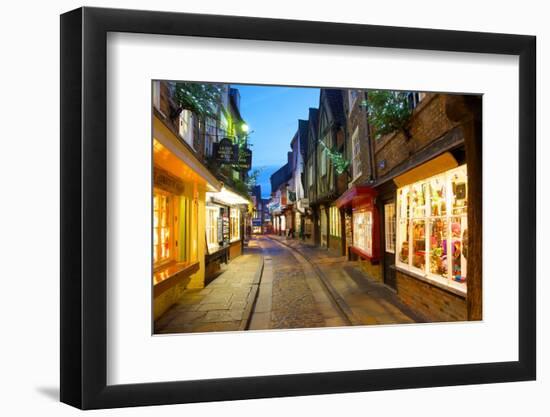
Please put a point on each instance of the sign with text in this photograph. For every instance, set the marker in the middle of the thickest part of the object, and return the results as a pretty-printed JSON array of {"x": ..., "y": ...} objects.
[
  {"x": 225, "y": 152},
  {"x": 244, "y": 161}
]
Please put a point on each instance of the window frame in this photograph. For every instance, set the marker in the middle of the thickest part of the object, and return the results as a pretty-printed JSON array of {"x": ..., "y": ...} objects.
[
  {"x": 334, "y": 222},
  {"x": 212, "y": 227},
  {"x": 428, "y": 219},
  {"x": 172, "y": 204},
  {"x": 234, "y": 224},
  {"x": 390, "y": 225},
  {"x": 186, "y": 118},
  {"x": 367, "y": 235}
]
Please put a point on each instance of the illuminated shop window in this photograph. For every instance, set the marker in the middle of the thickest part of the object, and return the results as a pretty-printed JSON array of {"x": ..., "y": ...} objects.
[
  {"x": 234, "y": 224},
  {"x": 432, "y": 227},
  {"x": 334, "y": 221},
  {"x": 389, "y": 227},
  {"x": 212, "y": 216},
  {"x": 163, "y": 225},
  {"x": 324, "y": 240},
  {"x": 362, "y": 231}
]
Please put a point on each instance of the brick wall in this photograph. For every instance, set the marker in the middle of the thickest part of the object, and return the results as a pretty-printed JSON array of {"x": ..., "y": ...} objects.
[
  {"x": 429, "y": 122},
  {"x": 433, "y": 303},
  {"x": 373, "y": 271}
]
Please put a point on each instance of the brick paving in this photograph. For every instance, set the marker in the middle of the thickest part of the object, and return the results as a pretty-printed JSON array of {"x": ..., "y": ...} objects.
[{"x": 223, "y": 305}]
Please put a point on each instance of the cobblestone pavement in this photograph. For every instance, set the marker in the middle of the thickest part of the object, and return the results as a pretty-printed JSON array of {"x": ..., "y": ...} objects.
[
  {"x": 282, "y": 283},
  {"x": 223, "y": 305},
  {"x": 291, "y": 295},
  {"x": 363, "y": 300}
]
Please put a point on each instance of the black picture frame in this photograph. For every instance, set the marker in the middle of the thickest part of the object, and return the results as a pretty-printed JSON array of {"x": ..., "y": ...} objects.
[{"x": 84, "y": 207}]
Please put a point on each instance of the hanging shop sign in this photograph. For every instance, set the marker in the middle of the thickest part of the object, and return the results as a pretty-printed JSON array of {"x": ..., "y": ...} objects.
[
  {"x": 244, "y": 159},
  {"x": 291, "y": 196},
  {"x": 225, "y": 152}
]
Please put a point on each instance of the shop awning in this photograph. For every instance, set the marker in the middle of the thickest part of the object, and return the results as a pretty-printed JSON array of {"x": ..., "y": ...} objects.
[
  {"x": 356, "y": 195},
  {"x": 227, "y": 197},
  {"x": 177, "y": 158},
  {"x": 428, "y": 169}
]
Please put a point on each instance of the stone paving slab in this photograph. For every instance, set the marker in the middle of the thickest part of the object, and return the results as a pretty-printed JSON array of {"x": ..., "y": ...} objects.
[{"x": 225, "y": 304}]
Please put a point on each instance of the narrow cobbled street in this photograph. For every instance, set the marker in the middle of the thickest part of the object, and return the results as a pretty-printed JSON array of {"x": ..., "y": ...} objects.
[
  {"x": 283, "y": 283},
  {"x": 291, "y": 294},
  {"x": 303, "y": 287}
]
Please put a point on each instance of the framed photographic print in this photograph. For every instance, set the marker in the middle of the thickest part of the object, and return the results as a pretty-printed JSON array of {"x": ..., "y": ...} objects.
[{"x": 257, "y": 208}]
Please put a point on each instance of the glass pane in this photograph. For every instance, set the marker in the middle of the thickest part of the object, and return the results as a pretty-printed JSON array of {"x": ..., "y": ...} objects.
[
  {"x": 437, "y": 196},
  {"x": 360, "y": 230},
  {"x": 459, "y": 248},
  {"x": 459, "y": 185},
  {"x": 403, "y": 246},
  {"x": 438, "y": 247},
  {"x": 419, "y": 244},
  {"x": 418, "y": 200}
]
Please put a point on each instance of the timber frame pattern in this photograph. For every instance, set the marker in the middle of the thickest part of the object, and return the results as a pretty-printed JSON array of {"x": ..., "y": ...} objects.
[{"x": 84, "y": 214}]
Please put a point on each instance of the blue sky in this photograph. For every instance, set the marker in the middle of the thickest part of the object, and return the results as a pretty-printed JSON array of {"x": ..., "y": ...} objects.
[{"x": 273, "y": 113}]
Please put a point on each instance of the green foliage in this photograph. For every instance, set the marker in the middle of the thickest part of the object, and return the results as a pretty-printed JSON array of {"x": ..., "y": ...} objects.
[
  {"x": 201, "y": 99},
  {"x": 252, "y": 179},
  {"x": 339, "y": 162},
  {"x": 388, "y": 111}
]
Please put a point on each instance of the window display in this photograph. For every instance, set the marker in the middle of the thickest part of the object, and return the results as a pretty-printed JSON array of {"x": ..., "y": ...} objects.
[
  {"x": 334, "y": 221},
  {"x": 389, "y": 227},
  {"x": 162, "y": 227},
  {"x": 235, "y": 216},
  {"x": 324, "y": 231},
  {"x": 212, "y": 218},
  {"x": 432, "y": 230},
  {"x": 362, "y": 231}
]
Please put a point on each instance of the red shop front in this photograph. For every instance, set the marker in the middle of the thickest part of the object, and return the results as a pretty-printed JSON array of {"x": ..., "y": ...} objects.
[{"x": 359, "y": 203}]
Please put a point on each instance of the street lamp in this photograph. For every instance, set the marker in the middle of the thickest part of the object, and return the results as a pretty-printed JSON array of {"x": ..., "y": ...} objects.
[{"x": 244, "y": 128}]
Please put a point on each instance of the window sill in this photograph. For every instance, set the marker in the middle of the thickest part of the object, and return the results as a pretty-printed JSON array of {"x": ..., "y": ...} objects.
[
  {"x": 172, "y": 274},
  {"x": 456, "y": 289},
  {"x": 363, "y": 254}
]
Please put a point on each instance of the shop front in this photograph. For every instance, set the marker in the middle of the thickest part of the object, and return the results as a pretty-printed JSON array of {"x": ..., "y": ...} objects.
[
  {"x": 257, "y": 227},
  {"x": 225, "y": 211},
  {"x": 180, "y": 184},
  {"x": 363, "y": 219},
  {"x": 431, "y": 236}
]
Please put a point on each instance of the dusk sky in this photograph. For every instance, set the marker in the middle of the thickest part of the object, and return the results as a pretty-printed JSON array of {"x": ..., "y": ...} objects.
[{"x": 273, "y": 113}]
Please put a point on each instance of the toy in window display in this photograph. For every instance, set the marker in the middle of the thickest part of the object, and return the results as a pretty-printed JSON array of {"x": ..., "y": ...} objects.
[
  {"x": 404, "y": 254},
  {"x": 419, "y": 248},
  {"x": 456, "y": 253},
  {"x": 437, "y": 200},
  {"x": 438, "y": 248}
]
